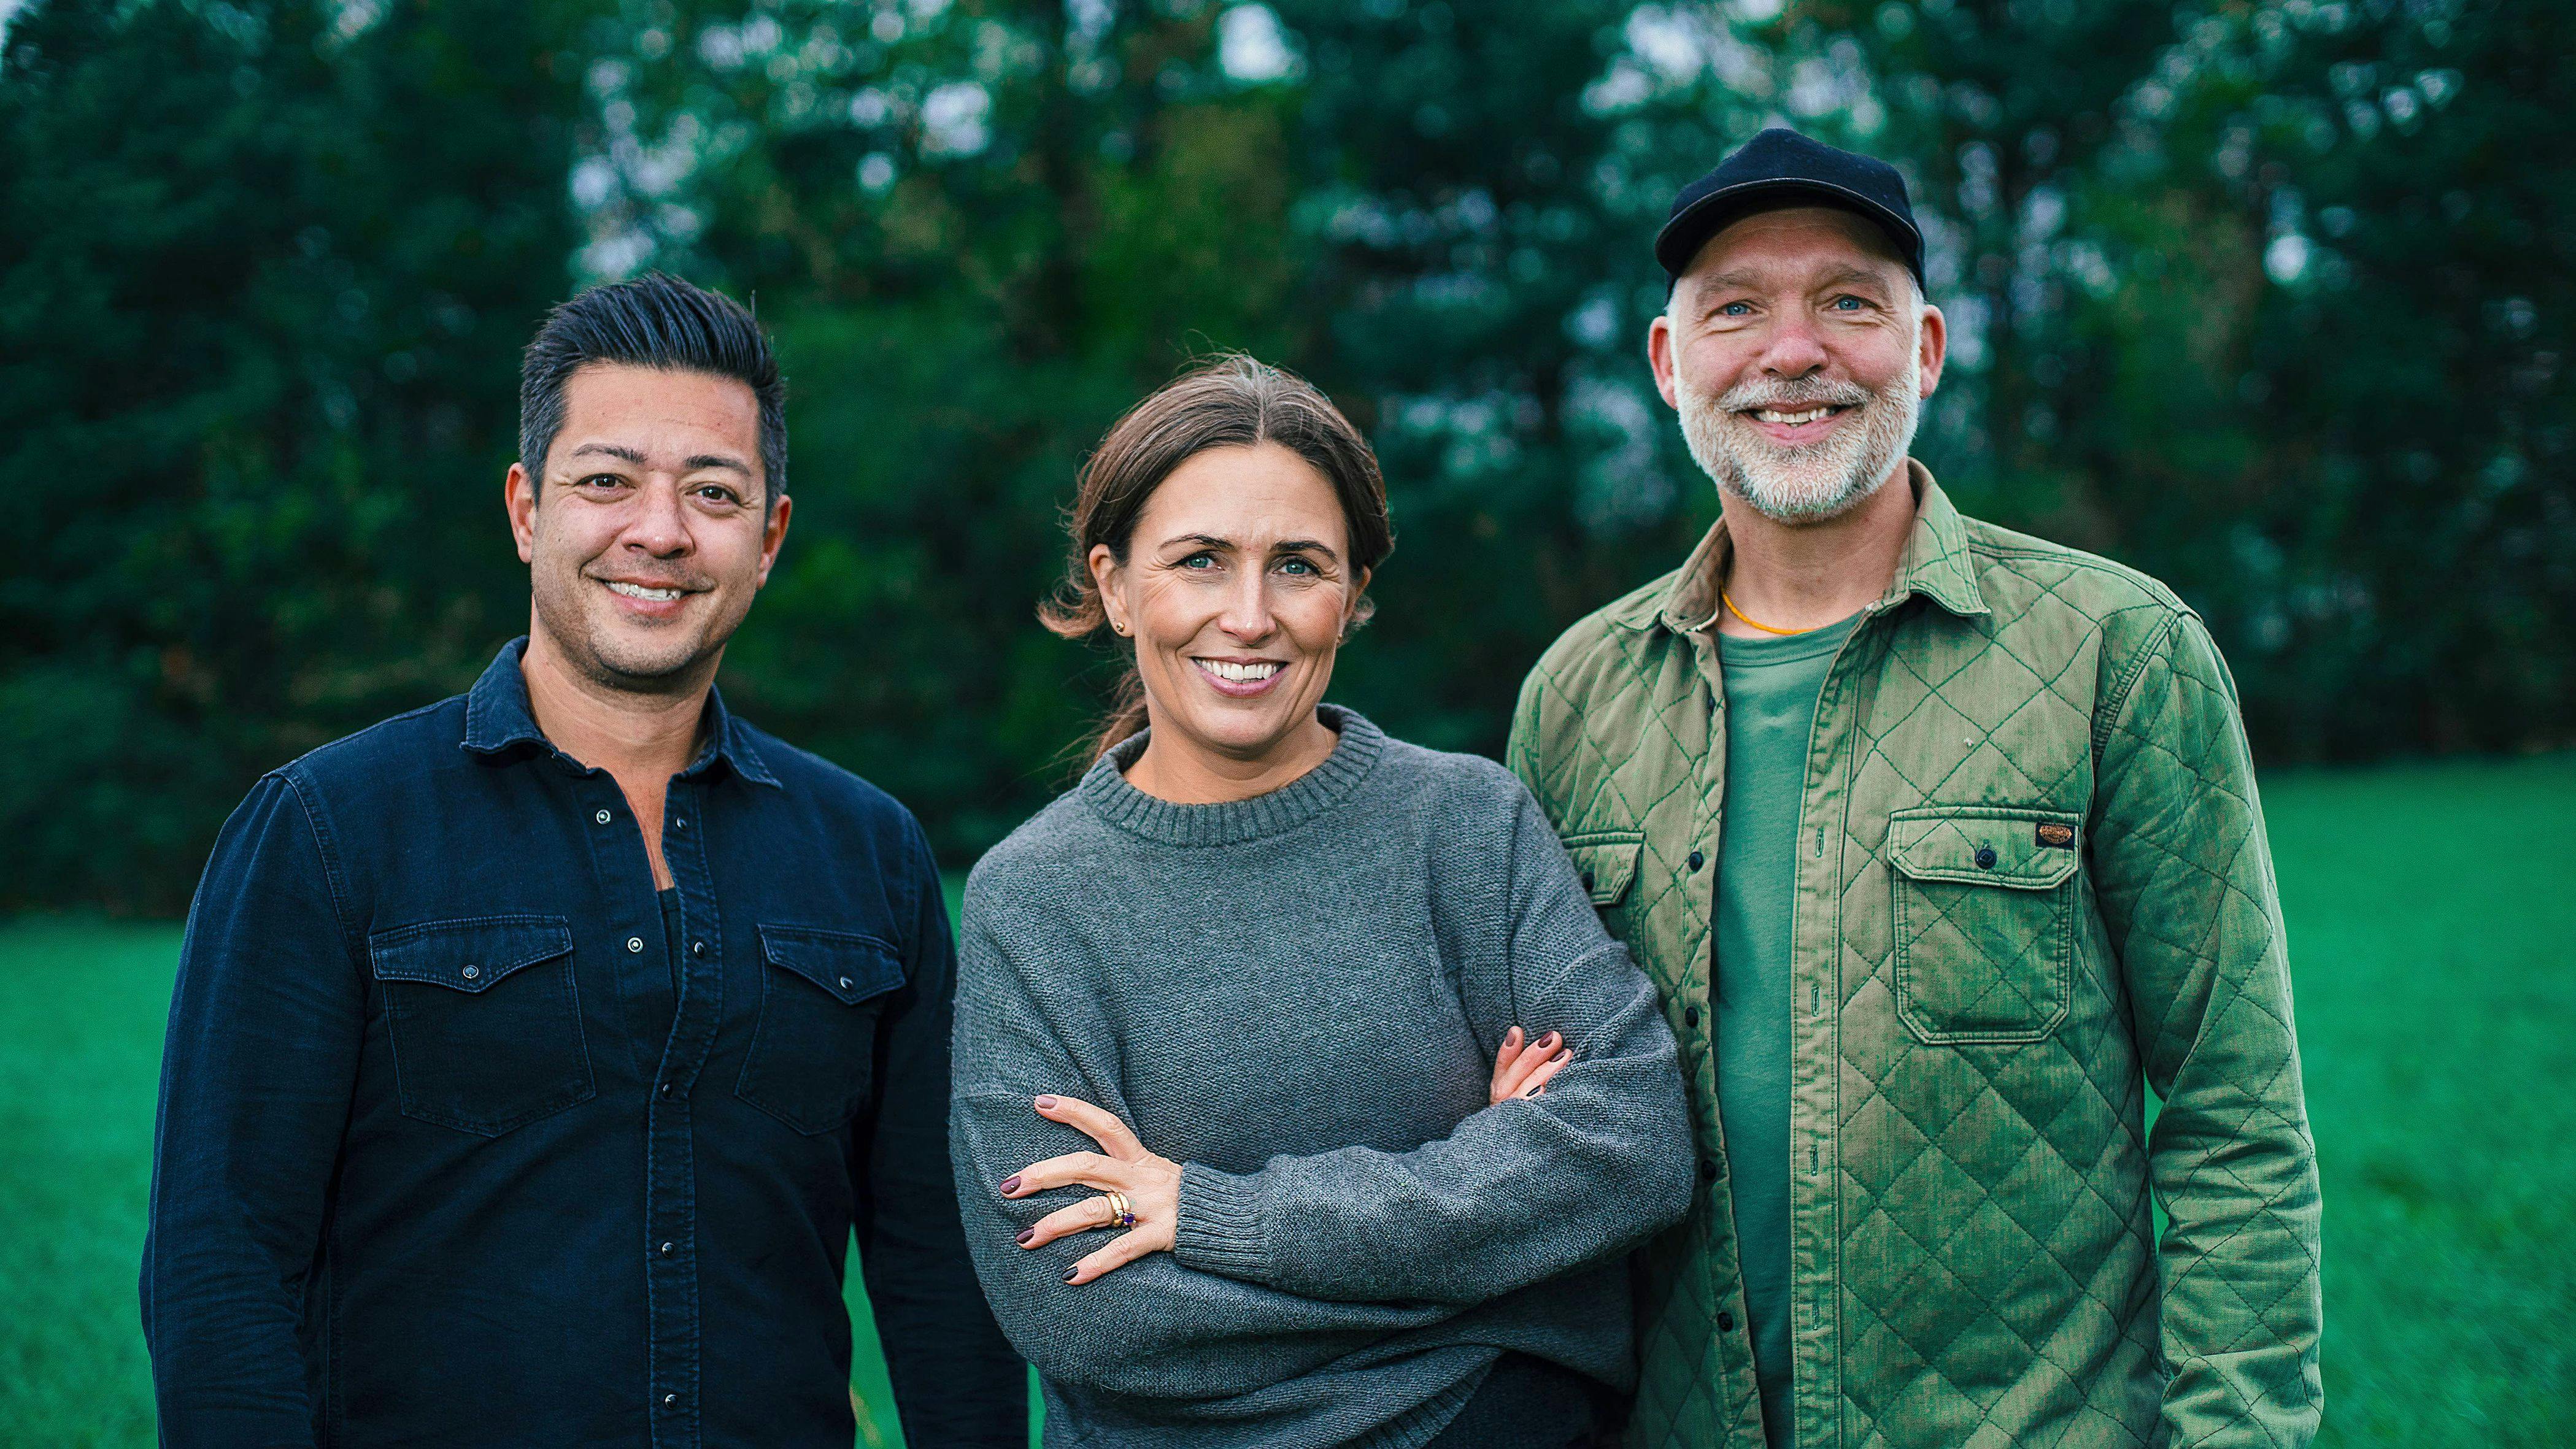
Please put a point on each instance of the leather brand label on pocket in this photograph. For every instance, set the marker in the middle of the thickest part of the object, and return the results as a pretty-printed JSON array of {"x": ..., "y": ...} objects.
[{"x": 2056, "y": 836}]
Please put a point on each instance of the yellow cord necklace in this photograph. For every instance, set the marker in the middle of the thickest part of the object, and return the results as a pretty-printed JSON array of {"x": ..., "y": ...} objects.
[{"x": 1755, "y": 623}]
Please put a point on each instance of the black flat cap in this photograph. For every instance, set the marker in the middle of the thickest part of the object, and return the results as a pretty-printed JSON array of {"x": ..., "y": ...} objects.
[{"x": 1782, "y": 168}]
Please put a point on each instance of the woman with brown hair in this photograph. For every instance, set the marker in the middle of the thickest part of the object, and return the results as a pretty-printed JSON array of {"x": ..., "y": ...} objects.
[{"x": 1251, "y": 1147}]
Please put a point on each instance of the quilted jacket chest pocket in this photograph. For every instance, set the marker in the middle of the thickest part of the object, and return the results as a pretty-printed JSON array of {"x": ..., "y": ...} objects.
[
  {"x": 1985, "y": 921},
  {"x": 812, "y": 1050},
  {"x": 484, "y": 1020}
]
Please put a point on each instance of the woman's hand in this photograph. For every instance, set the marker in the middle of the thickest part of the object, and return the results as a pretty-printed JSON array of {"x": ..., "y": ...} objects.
[
  {"x": 1521, "y": 1069},
  {"x": 1151, "y": 1185}
]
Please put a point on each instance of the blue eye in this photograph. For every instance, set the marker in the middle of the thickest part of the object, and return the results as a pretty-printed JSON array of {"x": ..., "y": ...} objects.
[
  {"x": 1848, "y": 304},
  {"x": 1297, "y": 565},
  {"x": 1736, "y": 309},
  {"x": 1197, "y": 559}
]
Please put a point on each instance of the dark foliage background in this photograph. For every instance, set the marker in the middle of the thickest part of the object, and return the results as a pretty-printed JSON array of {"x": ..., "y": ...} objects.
[{"x": 2272, "y": 299}]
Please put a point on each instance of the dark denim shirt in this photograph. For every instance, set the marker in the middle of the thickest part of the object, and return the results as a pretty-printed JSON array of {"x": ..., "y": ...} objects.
[{"x": 444, "y": 1159}]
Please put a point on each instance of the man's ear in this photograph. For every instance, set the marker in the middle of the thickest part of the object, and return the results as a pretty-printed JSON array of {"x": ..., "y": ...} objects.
[
  {"x": 773, "y": 532},
  {"x": 1659, "y": 355},
  {"x": 1933, "y": 347},
  {"x": 519, "y": 500}
]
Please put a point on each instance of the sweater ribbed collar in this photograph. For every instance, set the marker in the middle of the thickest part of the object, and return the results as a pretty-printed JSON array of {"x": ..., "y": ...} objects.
[{"x": 1105, "y": 789}]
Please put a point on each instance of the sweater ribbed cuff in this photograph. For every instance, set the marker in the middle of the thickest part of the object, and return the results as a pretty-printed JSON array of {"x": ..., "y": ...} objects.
[{"x": 1219, "y": 1224}]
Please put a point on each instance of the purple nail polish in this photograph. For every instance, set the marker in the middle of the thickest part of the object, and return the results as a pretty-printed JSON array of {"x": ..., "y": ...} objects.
[
  {"x": 1023, "y": 1235},
  {"x": 1010, "y": 1185},
  {"x": 1046, "y": 1102}
]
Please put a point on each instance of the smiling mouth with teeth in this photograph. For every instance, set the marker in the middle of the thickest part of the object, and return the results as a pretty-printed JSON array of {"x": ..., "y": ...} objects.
[
  {"x": 640, "y": 591},
  {"x": 1797, "y": 419},
  {"x": 1238, "y": 673}
]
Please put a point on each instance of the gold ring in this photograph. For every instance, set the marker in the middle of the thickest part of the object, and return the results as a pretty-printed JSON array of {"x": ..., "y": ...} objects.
[{"x": 1121, "y": 1212}]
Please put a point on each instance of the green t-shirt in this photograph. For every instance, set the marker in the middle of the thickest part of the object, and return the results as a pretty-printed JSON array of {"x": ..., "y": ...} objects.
[{"x": 1771, "y": 688}]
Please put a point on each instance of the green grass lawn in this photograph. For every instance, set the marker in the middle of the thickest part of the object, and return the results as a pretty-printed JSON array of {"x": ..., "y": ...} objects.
[{"x": 2429, "y": 908}]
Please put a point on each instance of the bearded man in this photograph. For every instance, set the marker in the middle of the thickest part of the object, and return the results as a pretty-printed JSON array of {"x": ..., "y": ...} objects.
[{"x": 1942, "y": 844}]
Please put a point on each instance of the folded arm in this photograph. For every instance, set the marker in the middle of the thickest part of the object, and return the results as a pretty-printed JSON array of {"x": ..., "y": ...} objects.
[
  {"x": 1154, "y": 1327},
  {"x": 1522, "y": 1190}
]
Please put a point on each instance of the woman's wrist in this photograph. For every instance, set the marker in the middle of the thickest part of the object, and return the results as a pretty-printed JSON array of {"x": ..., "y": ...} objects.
[{"x": 1220, "y": 1222}]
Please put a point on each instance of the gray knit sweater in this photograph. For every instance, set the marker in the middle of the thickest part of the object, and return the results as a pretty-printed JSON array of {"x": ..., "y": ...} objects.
[{"x": 1299, "y": 997}]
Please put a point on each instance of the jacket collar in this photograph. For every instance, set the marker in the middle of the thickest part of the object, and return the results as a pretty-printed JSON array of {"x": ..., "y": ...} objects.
[
  {"x": 1936, "y": 564},
  {"x": 498, "y": 719}
]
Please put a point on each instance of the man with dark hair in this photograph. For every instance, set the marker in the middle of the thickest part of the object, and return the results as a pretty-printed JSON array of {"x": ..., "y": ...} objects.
[{"x": 535, "y": 1054}]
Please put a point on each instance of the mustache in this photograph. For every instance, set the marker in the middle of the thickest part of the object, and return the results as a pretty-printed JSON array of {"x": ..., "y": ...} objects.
[{"x": 1787, "y": 396}]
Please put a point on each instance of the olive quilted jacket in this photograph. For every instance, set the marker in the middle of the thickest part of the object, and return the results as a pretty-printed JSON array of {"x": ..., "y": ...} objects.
[{"x": 2032, "y": 886}]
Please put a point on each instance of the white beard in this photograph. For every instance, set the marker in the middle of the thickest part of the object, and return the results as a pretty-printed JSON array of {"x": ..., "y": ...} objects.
[{"x": 1819, "y": 480}]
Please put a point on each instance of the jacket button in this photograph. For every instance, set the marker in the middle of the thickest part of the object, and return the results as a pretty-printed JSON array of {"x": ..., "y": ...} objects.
[
  {"x": 680, "y": 824},
  {"x": 1985, "y": 857},
  {"x": 670, "y": 1401},
  {"x": 1725, "y": 1321},
  {"x": 1690, "y": 1016},
  {"x": 1696, "y": 860},
  {"x": 666, "y": 1250},
  {"x": 845, "y": 983},
  {"x": 472, "y": 972},
  {"x": 1707, "y": 1170},
  {"x": 1587, "y": 880},
  {"x": 601, "y": 817},
  {"x": 697, "y": 948},
  {"x": 634, "y": 943}
]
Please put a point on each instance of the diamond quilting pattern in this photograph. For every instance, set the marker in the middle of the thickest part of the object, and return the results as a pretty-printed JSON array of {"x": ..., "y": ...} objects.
[{"x": 1985, "y": 1175}]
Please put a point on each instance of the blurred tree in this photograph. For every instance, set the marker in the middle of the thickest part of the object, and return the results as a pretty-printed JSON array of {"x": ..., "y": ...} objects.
[
  {"x": 984, "y": 230},
  {"x": 2273, "y": 300},
  {"x": 1480, "y": 186},
  {"x": 267, "y": 271},
  {"x": 979, "y": 232},
  {"x": 2406, "y": 576},
  {"x": 2269, "y": 297}
]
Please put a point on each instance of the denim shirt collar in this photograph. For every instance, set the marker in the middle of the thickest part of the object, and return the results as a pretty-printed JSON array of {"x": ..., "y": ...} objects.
[{"x": 499, "y": 719}]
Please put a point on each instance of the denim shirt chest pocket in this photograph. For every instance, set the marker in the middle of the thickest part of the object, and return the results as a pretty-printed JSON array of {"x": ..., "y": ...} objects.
[
  {"x": 810, "y": 1063},
  {"x": 484, "y": 1020}
]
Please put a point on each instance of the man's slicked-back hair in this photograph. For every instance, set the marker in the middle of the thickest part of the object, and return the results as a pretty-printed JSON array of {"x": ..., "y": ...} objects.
[{"x": 655, "y": 320}]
